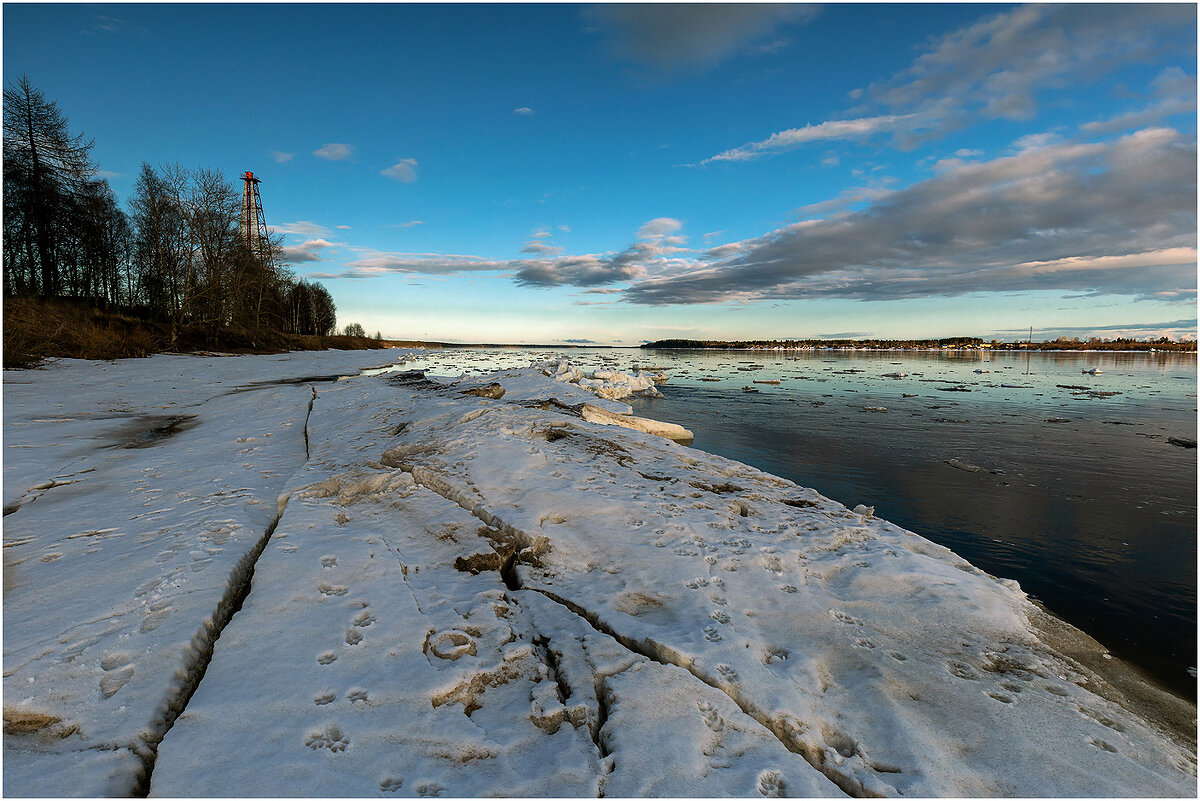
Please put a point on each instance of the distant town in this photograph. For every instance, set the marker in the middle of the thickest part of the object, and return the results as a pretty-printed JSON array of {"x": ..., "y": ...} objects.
[{"x": 951, "y": 343}]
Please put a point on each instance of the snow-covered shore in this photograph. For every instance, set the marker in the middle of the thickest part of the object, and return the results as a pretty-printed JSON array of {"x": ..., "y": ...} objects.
[{"x": 223, "y": 576}]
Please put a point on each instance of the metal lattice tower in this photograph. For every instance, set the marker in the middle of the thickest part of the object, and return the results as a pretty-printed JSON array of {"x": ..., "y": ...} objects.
[{"x": 254, "y": 224}]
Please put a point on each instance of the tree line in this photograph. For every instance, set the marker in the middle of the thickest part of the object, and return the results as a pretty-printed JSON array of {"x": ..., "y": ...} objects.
[
  {"x": 177, "y": 255},
  {"x": 1062, "y": 343}
]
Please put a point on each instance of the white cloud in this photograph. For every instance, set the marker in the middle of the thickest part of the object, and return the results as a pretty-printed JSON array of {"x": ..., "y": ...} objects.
[
  {"x": 308, "y": 251},
  {"x": 300, "y": 228},
  {"x": 658, "y": 227},
  {"x": 282, "y": 158},
  {"x": 524, "y": 111},
  {"x": 409, "y": 224},
  {"x": 794, "y": 137},
  {"x": 404, "y": 171},
  {"x": 1000, "y": 67},
  {"x": 335, "y": 151}
]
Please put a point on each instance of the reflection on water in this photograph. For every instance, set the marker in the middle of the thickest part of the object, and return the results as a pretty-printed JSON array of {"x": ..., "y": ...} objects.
[{"x": 1063, "y": 480}]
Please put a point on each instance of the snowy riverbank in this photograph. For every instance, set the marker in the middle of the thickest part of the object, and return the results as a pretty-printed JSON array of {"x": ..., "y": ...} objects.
[{"x": 426, "y": 588}]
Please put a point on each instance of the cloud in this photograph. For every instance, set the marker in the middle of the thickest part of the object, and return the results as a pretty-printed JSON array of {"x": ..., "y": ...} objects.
[
  {"x": 308, "y": 251},
  {"x": 566, "y": 229},
  {"x": 996, "y": 68},
  {"x": 300, "y": 228},
  {"x": 1107, "y": 218},
  {"x": 580, "y": 341},
  {"x": 115, "y": 26},
  {"x": 658, "y": 227},
  {"x": 335, "y": 151},
  {"x": 540, "y": 248},
  {"x": 692, "y": 36},
  {"x": 109, "y": 174},
  {"x": 524, "y": 111},
  {"x": 282, "y": 158},
  {"x": 587, "y": 270},
  {"x": 794, "y": 137},
  {"x": 409, "y": 224},
  {"x": 376, "y": 263},
  {"x": 404, "y": 171}
]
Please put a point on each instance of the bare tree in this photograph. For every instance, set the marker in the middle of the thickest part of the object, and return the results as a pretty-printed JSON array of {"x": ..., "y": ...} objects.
[{"x": 46, "y": 171}]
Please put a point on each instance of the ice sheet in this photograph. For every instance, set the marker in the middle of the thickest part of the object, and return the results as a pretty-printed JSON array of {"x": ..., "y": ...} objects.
[{"x": 421, "y": 591}]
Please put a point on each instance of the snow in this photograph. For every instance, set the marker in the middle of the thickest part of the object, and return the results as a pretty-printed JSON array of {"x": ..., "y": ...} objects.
[{"x": 399, "y": 587}]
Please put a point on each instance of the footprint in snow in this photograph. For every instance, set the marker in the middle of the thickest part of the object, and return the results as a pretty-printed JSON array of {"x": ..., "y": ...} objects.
[
  {"x": 330, "y": 737},
  {"x": 711, "y": 634},
  {"x": 771, "y": 784}
]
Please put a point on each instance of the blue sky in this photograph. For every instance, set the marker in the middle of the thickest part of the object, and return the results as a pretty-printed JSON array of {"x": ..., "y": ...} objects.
[{"x": 615, "y": 174}]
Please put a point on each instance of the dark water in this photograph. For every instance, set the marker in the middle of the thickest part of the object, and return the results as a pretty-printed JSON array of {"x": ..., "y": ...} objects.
[
  {"x": 1095, "y": 516},
  {"x": 1079, "y": 496}
]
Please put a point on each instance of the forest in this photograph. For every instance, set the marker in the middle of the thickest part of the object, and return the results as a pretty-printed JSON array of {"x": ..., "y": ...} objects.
[{"x": 171, "y": 271}]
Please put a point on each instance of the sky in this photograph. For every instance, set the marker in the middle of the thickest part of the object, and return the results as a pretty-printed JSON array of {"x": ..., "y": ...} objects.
[{"x": 615, "y": 174}]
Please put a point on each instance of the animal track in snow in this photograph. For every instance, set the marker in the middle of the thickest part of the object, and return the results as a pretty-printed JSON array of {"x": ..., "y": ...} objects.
[
  {"x": 962, "y": 671},
  {"x": 1001, "y": 697},
  {"x": 324, "y": 698},
  {"x": 720, "y": 617},
  {"x": 328, "y": 561},
  {"x": 899, "y": 657},
  {"x": 711, "y": 634},
  {"x": 711, "y": 718},
  {"x": 331, "y": 737},
  {"x": 842, "y": 617},
  {"x": 327, "y": 658},
  {"x": 364, "y": 618},
  {"x": 770, "y": 784},
  {"x": 863, "y": 642},
  {"x": 356, "y": 695},
  {"x": 429, "y": 789},
  {"x": 390, "y": 784},
  {"x": 353, "y": 637},
  {"x": 1101, "y": 718},
  {"x": 787, "y": 588},
  {"x": 726, "y": 672},
  {"x": 1102, "y": 745},
  {"x": 326, "y": 588}
]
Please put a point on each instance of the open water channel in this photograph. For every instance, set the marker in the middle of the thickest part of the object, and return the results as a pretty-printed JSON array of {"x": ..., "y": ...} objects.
[{"x": 1079, "y": 486}]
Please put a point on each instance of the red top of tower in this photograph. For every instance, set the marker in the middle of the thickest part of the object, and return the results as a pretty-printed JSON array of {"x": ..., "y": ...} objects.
[{"x": 249, "y": 176}]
